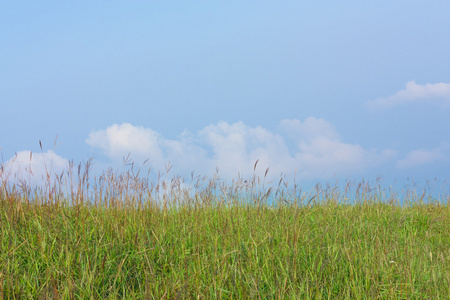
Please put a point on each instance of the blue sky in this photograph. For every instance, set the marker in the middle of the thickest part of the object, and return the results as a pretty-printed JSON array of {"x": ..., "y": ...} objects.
[{"x": 320, "y": 89}]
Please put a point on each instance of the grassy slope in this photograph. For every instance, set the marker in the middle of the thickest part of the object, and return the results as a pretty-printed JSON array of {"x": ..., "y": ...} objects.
[{"x": 369, "y": 250}]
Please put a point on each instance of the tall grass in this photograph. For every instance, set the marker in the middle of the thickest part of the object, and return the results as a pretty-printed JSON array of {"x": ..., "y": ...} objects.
[{"x": 123, "y": 236}]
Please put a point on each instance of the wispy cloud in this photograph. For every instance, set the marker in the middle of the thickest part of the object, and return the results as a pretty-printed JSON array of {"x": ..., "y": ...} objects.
[
  {"x": 317, "y": 150},
  {"x": 438, "y": 93},
  {"x": 422, "y": 157}
]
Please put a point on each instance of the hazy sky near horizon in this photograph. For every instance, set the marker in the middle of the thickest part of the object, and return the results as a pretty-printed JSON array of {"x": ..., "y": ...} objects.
[{"x": 320, "y": 89}]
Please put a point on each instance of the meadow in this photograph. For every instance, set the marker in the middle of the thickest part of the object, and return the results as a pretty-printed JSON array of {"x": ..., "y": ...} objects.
[{"x": 122, "y": 236}]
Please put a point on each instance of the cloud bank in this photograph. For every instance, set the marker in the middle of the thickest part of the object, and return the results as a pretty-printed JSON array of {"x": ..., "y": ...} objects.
[
  {"x": 311, "y": 149},
  {"x": 438, "y": 93},
  {"x": 315, "y": 149}
]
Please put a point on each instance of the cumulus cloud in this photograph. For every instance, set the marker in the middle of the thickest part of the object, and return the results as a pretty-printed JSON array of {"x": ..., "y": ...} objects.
[
  {"x": 141, "y": 143},
  {"x": 34, "y": 167},
  {"x": 421, "y": 157},
  {"x": 119, "y": 139},
  {"x": 311, "y": 128},
  {"x": 321, "y": 153},
  {"x": 438, "y": 93},
  {"x": 317, "y": 150}
]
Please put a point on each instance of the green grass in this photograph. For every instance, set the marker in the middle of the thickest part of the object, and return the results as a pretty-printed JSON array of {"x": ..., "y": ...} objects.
[{"x": 115, "y": 240}]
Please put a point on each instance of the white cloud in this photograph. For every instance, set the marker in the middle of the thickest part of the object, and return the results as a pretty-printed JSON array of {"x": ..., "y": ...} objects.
[
  {"x": 34, "y": 167},
  {"x": 236, "y": 147},
  {"x": 438, "y": 93},
  {"x": 321, "y": 153},
  {"x": 421, "y": 157},
  {"x": 311, "y": 128},
  {"x": 318, "y": 151},
  {"x": 118, "y": 140}
]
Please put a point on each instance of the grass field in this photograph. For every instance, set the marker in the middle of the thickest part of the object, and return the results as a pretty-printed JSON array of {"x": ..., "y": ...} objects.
[{"x": 121, "y": 237}]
